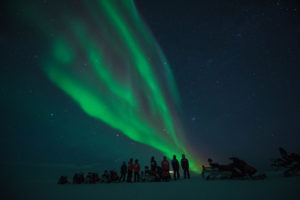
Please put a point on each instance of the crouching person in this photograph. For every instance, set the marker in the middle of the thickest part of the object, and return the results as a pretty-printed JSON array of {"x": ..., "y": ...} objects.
[
  {"x": 63, "y": 180},
  {"x": 106, "y": 177}
]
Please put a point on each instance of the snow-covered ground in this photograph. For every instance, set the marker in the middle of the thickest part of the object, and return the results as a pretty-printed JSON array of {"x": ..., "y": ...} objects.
[{"x": 21, "y": 185}]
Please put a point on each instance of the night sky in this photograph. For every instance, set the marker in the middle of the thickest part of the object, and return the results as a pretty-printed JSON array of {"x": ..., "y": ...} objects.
[{"x": 235, "y": 63}]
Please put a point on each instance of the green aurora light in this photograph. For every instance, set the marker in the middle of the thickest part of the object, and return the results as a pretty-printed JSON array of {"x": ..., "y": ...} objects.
[{"x": 105, "y": 58}]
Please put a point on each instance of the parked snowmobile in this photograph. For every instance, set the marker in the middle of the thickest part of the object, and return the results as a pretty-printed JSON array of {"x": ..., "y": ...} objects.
[
  {"x": 212, "y": 173},
  {"x": 238, "y": 169}
]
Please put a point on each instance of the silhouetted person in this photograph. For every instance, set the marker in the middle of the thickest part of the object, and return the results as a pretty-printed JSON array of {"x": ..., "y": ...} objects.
[
  {"x": 147, "y": 171},
  {"x": 75, "y": 178},
  {"x": 185, "y": 166},
  {"x": 165, "y": 169},
  {"x": 175, "y": 166},
  {"x": 63, "y": 180},
  {"x": 106, "y": 177},
  {"x": 130, "y": 169},
  {"x": 147, "y": 174},
  {"x": 114, "y": 176},
  {"x": 92, "y": 178},
  {"x": 78, "y": 178},
  {"x": 123, "y": 172},
  {"x": 159, "y": 173},
  {"x": 153, "y": 164},
  {"x": 136, "y": 168}
]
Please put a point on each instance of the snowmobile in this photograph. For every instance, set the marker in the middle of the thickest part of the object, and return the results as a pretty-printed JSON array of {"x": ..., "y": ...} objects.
[
  {"x": 238, "y": 169},
  {"x": 213, "y": 173}
]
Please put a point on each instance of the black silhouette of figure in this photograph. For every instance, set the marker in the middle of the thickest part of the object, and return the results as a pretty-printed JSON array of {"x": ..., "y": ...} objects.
[
  {"x": 114, "y": 176},
  {"x": 136, "y": 168},
  {"x": 130, "y": 170},
  {"x": 153, "y": 164},
  {"x": 159, "y": 174},
  {"x": 63, "y": 180},
  {"x": 165, "y": 166},
  {"x": 123, "y": 172},
  {"x": 185, "y": 166},
  {"x": 78, "y": 178},
  {"x": 175, "y": 166},
  {"x": 106, "y": 177},
  {"x": 92, "y": 178}
]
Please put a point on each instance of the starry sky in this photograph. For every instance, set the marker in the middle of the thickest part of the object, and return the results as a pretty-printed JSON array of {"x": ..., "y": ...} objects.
[{"x": 235, "y": 63}]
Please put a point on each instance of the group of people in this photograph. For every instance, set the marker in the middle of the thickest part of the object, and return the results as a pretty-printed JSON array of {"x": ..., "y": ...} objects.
[
  {"x": 155, "y": 172},
  {"x": 132, "y": 172},
  {"x": 237, "y": 169},
  {"x": 91, "y": 178}
]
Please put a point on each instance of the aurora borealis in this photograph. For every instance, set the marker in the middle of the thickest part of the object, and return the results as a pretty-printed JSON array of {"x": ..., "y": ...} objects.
[
  {"x": 106, "y": 60},
  {"x": 94, "y": 83}
]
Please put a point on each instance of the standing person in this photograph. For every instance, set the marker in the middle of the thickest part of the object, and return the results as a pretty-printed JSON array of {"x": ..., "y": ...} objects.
[
  {"x": 123, "y": 172},
  {"x": 136, "y": 168},
  {"x": 185, "y": 166},
  {"x": 153, "y": 165},
  {"x": 130, "y": 169},
  {"x": 165, "y": 169},
  {"x": 175, "y": 166}
]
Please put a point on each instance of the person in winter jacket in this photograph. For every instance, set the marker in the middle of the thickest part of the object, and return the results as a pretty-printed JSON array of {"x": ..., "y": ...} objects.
[
  {"x": 106, "y": 177},
  {"x": 175, "y": 166},
  {"x": 185, "y": 166},
  {"x": 136, "y": 168},
  {"x": 63, "y": 180},
  {"x": 123, "y": 172},
  {"x": 130, "y": 170},
  {"x": 165, "y": 169}
]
